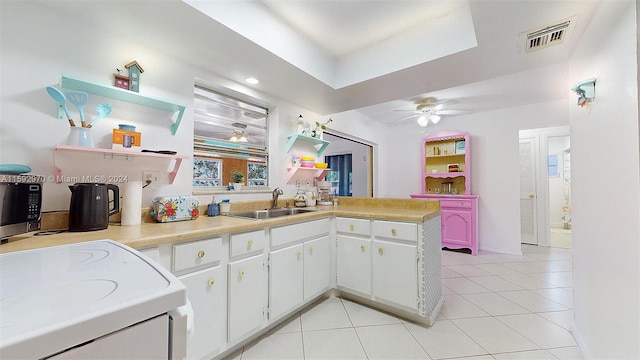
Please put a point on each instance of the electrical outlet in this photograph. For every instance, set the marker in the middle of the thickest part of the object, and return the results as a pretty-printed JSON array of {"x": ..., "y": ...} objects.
[{"x": 151, "y": 178}]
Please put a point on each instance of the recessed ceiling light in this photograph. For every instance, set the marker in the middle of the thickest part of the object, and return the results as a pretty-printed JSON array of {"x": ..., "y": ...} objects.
[{"x": 252, "y": 80}]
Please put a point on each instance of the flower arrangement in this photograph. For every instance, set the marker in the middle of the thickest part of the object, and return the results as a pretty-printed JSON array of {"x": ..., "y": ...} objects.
[{"x": 317, "y": 131}]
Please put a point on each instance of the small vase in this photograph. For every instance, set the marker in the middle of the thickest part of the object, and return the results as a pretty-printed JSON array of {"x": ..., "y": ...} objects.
[{"x": 237, "y": 186}]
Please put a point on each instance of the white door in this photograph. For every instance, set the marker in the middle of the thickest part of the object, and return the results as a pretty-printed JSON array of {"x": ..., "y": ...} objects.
[
  {"x": 285, "y": 280},
  {"x": 206, "y": 291},
  {"x": 317, "y": 267},
  {"x": 528, "y": 194},
  {"x": 354, "y": 264},
  {"x": 247, "y": 295},
  {"x": 395, "y": 273}
]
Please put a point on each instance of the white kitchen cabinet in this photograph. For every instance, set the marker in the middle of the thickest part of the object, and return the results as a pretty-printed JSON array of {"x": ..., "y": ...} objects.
[
  {"x": 207, "y": 290},
  {"x": 395, "y": 273},
  {"x": 395, "y": 262},
  {"x": 285, "y": 280},
  {"x": 247, "y": 298},
  {"x": 353, "y": 260},
  {"x": 317, "y": 267},
  {"x": 291, "y": 280}
]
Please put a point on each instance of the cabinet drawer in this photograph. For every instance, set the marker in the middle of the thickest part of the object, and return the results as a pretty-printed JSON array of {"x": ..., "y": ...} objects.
[
  {"x": 353, "y": 226},
  {"x": 395, "y": 230},
  {"x": 246, "y": 243},
  {"x": 196, "y": 253},
  {"x": 456, "y": 203},
  {"x": 291, "y": 233}
]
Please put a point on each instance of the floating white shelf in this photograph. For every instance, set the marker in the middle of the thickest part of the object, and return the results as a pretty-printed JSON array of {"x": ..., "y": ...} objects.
[
  {"x": 69, "y": 82},
  {"x": 121, "y": 155}
]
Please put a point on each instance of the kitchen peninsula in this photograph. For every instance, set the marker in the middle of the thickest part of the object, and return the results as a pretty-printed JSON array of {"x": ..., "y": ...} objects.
[{"x": 244, "y": 277}]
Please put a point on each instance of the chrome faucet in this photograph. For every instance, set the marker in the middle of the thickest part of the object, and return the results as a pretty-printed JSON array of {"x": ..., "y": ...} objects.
[{"x": 276, "y": 192}]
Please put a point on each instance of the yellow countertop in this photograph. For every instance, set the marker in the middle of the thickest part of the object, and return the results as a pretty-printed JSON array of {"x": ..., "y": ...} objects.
[{"x": 149, "y": 234}]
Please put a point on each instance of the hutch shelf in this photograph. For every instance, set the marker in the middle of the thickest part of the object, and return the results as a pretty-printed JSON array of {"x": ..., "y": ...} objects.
[{"x": 446, "y": 176}]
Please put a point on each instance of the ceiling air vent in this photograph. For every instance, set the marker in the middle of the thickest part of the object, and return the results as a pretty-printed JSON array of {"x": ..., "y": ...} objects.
[{"x": 548, "y": 36}]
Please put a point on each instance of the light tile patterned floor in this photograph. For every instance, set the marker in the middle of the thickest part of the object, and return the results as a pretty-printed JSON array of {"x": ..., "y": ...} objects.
[{"x": 497, "y": 307}]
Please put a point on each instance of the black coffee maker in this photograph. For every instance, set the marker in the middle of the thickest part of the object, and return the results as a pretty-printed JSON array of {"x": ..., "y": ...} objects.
[{"x": 89, "y": 208}]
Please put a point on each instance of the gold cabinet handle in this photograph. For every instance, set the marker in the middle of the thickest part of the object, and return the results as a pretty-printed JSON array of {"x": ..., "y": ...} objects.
[
  {"x": 393, "y": 232},
  {"x": 380, "y": 251},
  {"x": 310, "y": 250},
  {"x": 250, "y": 243},
  {"x": 211, "y": 282},
  {"x": 241, "y": 272},
  {"x": 201, "y": 253},
  {"x": 351, "y": 227},
  {"x": 531, "y": 196},
  {"x": 361, "y": 247}
]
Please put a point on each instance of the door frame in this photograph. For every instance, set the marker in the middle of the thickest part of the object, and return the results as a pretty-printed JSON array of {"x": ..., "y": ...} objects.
[{"x": 542, "y": 181}]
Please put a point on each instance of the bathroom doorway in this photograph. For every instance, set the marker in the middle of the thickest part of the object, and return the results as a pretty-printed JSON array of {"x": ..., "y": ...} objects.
[
  {"x": 545, "y": 186},
  {"x": 559, "y": 163}
]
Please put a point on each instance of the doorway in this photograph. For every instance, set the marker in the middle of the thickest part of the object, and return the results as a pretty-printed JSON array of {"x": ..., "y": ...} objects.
[
  {"x": 559, "y": 162},
  {"x": 545, "y": 186},
  {"x": 351, "y": 163}
]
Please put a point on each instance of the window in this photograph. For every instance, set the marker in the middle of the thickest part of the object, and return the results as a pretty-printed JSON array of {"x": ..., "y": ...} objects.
[
  {"x": 257, "y": 174},
  {"x": 552, "y": 163},
  {"x": 228, "y": 134},
  {"x": 206, "y": 172}
]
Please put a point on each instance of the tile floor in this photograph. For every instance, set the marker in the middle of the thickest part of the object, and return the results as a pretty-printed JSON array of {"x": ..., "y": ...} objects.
[{"x": 496, "y": 307}]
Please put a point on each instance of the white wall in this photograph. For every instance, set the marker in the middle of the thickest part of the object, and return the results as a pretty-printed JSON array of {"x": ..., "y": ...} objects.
[
  {"x": 604, "y": 151},
  {"x": 494, "y": 165}
]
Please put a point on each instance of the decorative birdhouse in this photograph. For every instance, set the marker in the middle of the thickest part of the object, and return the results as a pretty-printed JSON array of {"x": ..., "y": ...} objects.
[
  {"x": 121, "y": 81},
  {"x": 134, "y": 75}
]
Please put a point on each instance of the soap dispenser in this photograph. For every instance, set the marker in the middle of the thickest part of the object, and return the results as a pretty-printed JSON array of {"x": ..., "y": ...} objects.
[{"x": 213, "y": 209}]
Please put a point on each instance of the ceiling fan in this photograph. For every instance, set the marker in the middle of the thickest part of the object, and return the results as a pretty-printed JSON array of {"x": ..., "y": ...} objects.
[
  {"x": 431, "y": 108},
  {"x": 236, "y": 134}
]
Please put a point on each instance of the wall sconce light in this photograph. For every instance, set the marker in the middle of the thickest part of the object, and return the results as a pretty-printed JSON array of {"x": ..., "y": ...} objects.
[{"x": 586, "y": 91}]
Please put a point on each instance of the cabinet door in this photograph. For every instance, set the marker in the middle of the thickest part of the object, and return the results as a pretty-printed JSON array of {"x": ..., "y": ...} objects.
[
  {"x": 247, "y": 295},
  {"x": 395, "y": 273},
  {"x": 317, "y": 267},
  {"x": 285, "y": 280},
  {"x": 206, "y": 290},
  {"x": 456, "y": 228},
  {"x": 354, "y": 264}
]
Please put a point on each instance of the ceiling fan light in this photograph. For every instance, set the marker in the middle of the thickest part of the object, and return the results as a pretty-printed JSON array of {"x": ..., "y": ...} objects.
[
  {"x": 423, "y": 120},
  {"x": 233, "y": 138},
  {"x": 242, "y": 139},
  {"x": 435, "y": 118}
]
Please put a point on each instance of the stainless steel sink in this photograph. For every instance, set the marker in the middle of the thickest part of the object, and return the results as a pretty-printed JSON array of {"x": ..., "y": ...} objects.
[{"x": 270, "y": 213}]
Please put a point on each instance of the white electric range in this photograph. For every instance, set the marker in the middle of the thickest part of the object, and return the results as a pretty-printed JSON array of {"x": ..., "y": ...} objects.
[{"x": 93, "y": 298}]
